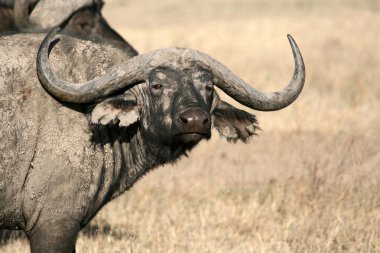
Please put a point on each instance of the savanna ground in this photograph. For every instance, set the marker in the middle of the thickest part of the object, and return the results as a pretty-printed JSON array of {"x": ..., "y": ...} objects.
[{"x": 310, "y": 182}]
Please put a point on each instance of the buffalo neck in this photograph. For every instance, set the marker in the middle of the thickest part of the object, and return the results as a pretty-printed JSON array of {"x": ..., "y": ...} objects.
[{"x": 127, "y": 156}]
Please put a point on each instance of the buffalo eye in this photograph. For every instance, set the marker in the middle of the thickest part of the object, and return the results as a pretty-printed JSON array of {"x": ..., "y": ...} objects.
[
  {"x": 85, "y": 26},
  {"x": 84, "y": 22},
  {"x": 156, "y": 86}
]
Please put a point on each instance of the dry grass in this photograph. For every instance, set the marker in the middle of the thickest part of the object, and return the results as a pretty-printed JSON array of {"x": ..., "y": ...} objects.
[{"x": 309, "y": 182}]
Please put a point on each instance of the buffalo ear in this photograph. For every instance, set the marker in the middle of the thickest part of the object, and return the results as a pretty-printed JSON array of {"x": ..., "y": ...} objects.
[
  {"x": 232, "y": 123},
  {"x": 120, "y": 110}
]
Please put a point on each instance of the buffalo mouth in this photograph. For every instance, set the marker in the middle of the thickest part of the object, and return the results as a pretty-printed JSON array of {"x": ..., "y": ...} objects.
[{"x": 191, "y": 137}]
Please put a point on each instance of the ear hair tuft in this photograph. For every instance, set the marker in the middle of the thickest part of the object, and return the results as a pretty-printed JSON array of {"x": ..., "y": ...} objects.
[
  {"x": 234, "y": 124},
  {"x": 116, "y": 111}
]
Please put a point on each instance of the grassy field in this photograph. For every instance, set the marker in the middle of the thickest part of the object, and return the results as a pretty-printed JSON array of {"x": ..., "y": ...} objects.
[{"x": 310, "y": 182}]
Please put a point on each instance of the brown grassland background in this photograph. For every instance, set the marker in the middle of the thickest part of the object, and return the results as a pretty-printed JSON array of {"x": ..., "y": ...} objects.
[{"x": 309, "y": 182}]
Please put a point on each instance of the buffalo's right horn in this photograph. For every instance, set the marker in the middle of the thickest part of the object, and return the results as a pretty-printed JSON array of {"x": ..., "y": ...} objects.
[{"x": 132, "y": 71}]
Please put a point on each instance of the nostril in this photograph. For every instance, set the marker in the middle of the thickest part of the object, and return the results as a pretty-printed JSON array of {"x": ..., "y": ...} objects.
[
  {"x": 183, "y": 120},
  {"x": 205, "y": 121}
]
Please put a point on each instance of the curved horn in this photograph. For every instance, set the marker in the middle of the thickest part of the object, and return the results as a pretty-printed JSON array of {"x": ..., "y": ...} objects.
[
  {"x": 136, "y": 69},
  {"x": 242, "y": 92},
  {"x": 132, "y": 71}
]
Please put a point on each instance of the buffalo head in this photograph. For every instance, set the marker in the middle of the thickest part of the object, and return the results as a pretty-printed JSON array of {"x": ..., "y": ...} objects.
[{"x": 170, "y": 94}]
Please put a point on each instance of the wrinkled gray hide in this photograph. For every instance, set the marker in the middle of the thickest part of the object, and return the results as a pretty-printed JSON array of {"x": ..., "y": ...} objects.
[
  {"x": 48, "y": 167},
  {"x": 45, "y": 145}
]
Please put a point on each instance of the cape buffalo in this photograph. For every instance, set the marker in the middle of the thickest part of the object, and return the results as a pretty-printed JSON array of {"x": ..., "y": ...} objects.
[
  {"x": 78, "y": 18},
  {"x": 69, "y": 145}
]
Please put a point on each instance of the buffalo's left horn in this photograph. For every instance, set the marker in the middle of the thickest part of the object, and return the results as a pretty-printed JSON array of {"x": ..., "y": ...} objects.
[
  {"x": 136, "y": 69},
  {"x": 242, "y": 92}
]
